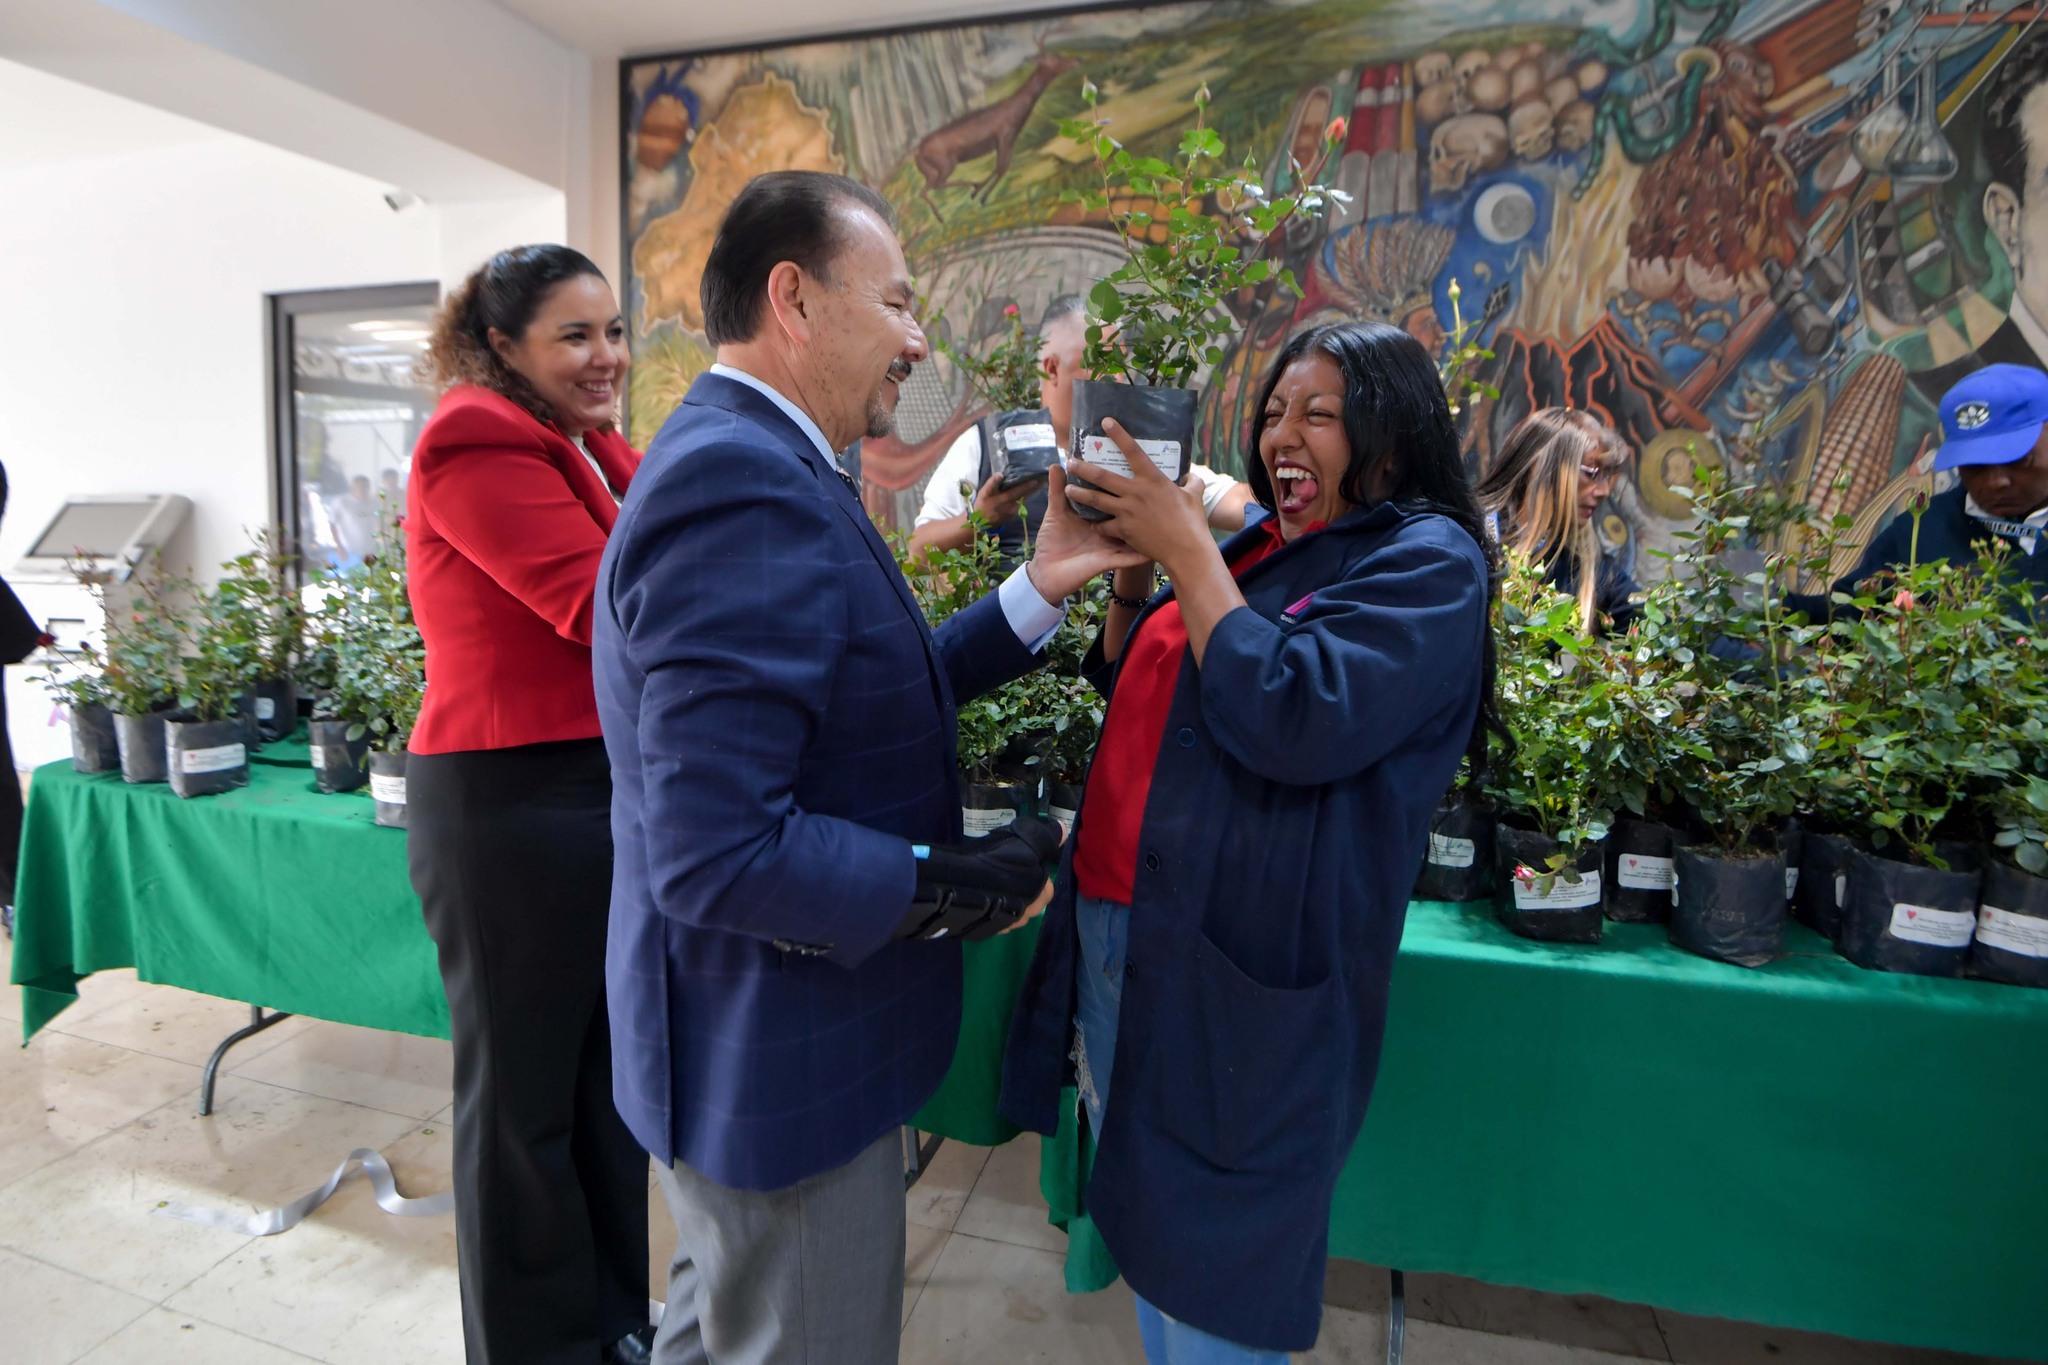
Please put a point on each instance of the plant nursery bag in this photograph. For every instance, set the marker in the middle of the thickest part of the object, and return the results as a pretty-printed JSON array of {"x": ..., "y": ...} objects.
[
  {"x": 1561, "y": 912},
  {"x": 2012, "y": 927},
  {"x": 1639, "y": 871},
  {"x": 1459, "y": 863},
  {"x": 1729, "y": 909},
  {"x": 1902, "y": 918}
]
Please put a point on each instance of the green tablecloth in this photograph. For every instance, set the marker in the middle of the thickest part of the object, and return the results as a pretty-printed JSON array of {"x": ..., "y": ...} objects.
[
  {"x": 1806, "y": 1145},
  {"x": 284, "y": 897},
  {"x": 274, "y": 894}
]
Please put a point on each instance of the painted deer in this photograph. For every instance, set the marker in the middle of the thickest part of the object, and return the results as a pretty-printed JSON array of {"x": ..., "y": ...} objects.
[{"x": 993, "y": 128}]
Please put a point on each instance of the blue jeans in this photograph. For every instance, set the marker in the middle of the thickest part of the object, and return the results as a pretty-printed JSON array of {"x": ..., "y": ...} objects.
[{"x": 1105, "y": 930}]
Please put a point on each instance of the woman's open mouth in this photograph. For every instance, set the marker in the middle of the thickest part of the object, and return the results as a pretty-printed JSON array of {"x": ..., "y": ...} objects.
[{"x": 1295, "y": 486}]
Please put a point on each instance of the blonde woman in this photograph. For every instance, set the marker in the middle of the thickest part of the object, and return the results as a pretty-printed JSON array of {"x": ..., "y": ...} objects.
[{"x": 1539, "y": 498}]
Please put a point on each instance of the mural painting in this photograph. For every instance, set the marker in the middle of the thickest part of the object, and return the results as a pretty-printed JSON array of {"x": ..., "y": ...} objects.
[{"x": 1767, "y": 234}]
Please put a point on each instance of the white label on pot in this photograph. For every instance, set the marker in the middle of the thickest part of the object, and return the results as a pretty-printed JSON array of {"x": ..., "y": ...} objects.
[
  {"x": 319, "y": 755},
  {"x": 1791, "y": 882},
  {"x": 2026, "y": 935},
  {"x": 1445, "y": 851},
  {"x": 389, "y": 790},
  {"x": 1645, "y": 872},
  {"x": 218, "y": 759},
  {"x": 1100, "y": 450},
  {"x": 1935, "y": 928},
  {"x": 266, "y": 708},
  {"x": 1841, "y": 889},
  {"x": 1562, "y": 895},
  {"x": 1064, "y": 816},
  {"x": 980, "y": 822},
  {"x": 1029, "y": 436}
]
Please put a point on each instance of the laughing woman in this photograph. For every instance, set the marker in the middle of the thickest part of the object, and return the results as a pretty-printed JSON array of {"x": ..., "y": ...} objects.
[{"x": 1283, "y": 719}]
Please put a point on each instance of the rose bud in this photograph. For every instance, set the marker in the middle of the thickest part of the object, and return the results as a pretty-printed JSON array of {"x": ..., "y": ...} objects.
[
  {"x": 1337, "y": 129},
  {"x": 1904, "y": 600}
]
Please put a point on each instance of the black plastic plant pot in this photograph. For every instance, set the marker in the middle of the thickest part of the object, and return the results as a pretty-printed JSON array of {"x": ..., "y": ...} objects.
[
  {"x": 1458, "y": 865},
  {"x": 207, "y": 757},
  {"x": 1899, "y": 917},
  {"x": 1823, "y": 882},
  {"x": 277, "y": 709},
  {"x": 141, "y": 740},
  {"x": 340, "y": 764},
  {"x": 986, "y": 807},
  {"x": 245, "y": 712},
  {"x": 1538, "y": 904},
  {"x": 1639, "y": 871},
  {"x": 2012, "y": 927},
  {"x": 1791, "y": 839},
  {"x": 1026, "y": 446},
  {"x": 1162, "y": 421},
  {"x": 1063, "y": 802},
  {"x": 387, "y": 787},
  {"x": 1731, "y": 909},
  {"x": 95, "y": 748}
]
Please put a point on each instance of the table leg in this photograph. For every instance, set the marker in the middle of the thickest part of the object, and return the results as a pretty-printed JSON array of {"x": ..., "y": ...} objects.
[
  {"x": 918, "y": 1155},
  {"x": 258, "y": 1021},
  {"x": 1397, "y": 1315}
]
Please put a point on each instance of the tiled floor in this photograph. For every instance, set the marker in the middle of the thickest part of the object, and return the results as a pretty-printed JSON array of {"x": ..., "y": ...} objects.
[{"x": 97, "y": 1126}]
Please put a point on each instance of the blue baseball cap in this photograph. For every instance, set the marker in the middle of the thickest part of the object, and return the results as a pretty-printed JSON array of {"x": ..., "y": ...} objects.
[{"x": 1993, "y": 417}]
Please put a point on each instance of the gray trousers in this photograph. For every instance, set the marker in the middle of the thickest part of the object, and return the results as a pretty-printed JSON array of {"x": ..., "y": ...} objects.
[{"x": 809, "y": 1275}]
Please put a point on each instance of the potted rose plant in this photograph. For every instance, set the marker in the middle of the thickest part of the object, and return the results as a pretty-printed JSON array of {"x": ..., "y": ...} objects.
[
  {"x": 2012, "y": 915},
  {"x": 1916, "y": 732},
  {"x": 79, "y": 685},
  {"x": 1735, "y": 737},
  {"x": 143, "y": 661},
  {"x": 380, "y": 675},
  {"x": 256, "y": 588},
  {"x": 208, "y": 747},
  {"x": 340, "y": 747},
  {"x": 1550, "y": 785},
  {"x": 1194, "y": 232},
  {"x": 1017, "y": 432}
]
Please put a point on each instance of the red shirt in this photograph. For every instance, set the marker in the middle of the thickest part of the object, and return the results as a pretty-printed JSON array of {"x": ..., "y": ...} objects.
[
  {"x": 505, "y": 524},
  {"x": 1120, "y": 781}
]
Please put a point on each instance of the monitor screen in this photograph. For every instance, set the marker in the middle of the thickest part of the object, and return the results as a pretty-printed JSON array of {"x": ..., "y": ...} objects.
[{"x": 98, "y": 530}]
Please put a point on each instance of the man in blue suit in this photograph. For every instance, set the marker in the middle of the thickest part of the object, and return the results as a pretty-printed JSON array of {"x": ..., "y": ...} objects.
[{"x": 790, "y": 882}]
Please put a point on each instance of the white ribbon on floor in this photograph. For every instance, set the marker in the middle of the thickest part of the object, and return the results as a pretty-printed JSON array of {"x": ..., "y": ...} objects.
[{"x": 292, "y": 1214}]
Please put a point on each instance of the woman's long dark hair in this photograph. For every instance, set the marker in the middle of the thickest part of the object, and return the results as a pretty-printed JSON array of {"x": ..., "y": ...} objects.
[{"x": 1396, "y": 416}]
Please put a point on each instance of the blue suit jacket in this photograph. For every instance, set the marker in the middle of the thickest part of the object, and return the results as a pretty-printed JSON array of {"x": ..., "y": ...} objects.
[{"x": 780, "y": 725}]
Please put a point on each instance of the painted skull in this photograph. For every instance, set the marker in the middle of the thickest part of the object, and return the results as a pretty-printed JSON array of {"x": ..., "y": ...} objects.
[
  {"x": 1530, "y": 131},
  {"x": 1432, "y": 67},
  {"x": 1468, "y": 145},
  {"x": 1575, "y": 126},
  {"x": 1470, "y": 64}
]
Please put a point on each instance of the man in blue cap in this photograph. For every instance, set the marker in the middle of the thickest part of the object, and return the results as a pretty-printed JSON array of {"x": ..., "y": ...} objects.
[{"x": 1995, "y": 434}]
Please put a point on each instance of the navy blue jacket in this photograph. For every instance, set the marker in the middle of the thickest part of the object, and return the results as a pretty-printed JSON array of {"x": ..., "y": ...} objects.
[
  {"x": 1288, "y": 816},
  {"x": 780, "y": 726},
  {"x": 1948, "y": 534}
]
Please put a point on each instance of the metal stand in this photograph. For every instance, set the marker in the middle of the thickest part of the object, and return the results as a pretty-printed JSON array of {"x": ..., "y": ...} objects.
[
  {"x": 258, "y": 1021},
  {"x": 918, "y": 1155},
  {"x": 1397, "y": 1315}
]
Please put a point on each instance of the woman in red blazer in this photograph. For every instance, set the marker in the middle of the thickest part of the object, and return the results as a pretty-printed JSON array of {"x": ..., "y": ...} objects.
[{"x": 515, "y": 485}]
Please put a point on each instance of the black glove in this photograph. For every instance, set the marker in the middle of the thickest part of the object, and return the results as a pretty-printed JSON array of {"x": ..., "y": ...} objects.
[{"x": 977, "y": 888}]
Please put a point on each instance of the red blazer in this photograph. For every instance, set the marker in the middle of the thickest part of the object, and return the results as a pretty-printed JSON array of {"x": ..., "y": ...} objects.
[{"x": 505, "y": 523}]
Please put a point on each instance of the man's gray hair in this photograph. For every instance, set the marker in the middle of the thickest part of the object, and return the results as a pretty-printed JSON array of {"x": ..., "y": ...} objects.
[{"x": 1060, "y": 309}]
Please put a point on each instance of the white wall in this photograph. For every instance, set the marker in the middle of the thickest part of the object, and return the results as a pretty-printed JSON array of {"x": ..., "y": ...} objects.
[{"x": 136, "y": 358}]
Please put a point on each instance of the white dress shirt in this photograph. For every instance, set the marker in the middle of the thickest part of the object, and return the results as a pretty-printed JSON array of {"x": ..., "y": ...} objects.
[{"x": 1034, "y": 620}]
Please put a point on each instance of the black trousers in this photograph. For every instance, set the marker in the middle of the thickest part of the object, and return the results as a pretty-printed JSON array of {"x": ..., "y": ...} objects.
[{"x": 511, "y": 853}]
